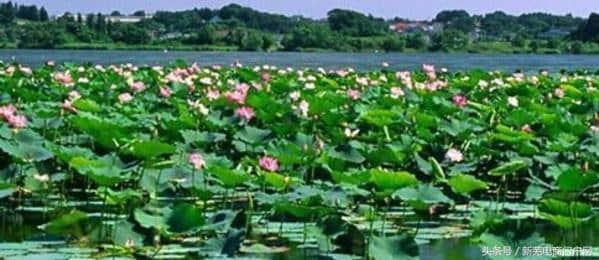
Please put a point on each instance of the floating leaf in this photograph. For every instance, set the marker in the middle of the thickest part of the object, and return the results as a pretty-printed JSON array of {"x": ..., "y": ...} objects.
[
  {"x": 391, "y": 181},
  {"x": 422, "y": 196},
  {"x": 229, "y": 178},
  {"x": 509, "y": 168},
  {"x": 466, "y": 184},
  {"x": 150, "y": 149}
]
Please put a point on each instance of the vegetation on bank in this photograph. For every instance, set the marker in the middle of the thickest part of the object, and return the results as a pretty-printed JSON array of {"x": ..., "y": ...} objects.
[{"x": 234, "y": 27}]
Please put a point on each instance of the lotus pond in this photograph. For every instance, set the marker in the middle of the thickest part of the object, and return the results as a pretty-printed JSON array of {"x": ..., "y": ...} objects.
[{"x": 195, "y": 162}]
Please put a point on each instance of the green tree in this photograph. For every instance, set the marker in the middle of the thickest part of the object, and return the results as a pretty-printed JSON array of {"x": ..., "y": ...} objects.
[
  {"x": 456, "y": 20},
  {"x": 577, "y": 47},
  {"x": 535, "y": 45},
  {"x": 267, "y": 42},
  {"x": 252, "y": 41},
  {"x": 355, "y": 24},
  {"x": 312, "y": 35},
  {"x": 416, "y": 41},
  {"x": 140, "y": 13},
  {"x": 7, "y": 13},
  {"x": 449, "y": 40},
  {"x": 35, "y": 37},
  {"x": 554, "y": 43},
  {"x": 206, "y": 35},
  {"x": 589, "y": 31},
  {"x": 89, "y": 21},
  {"x": 394, "y": 44},
  {"x": 28, "y": 13},
  {"x": 519, "y": 41},
  {"x": 44, "y": 15},
  {"x": 100, "y": 23},
  {"x": 129, "y": 34}
]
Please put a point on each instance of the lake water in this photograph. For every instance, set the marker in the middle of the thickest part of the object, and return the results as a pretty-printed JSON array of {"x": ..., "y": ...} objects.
[{"x": 359, "y": 61}]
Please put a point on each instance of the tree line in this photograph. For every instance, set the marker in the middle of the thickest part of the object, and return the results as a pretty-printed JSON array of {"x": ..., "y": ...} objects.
[{"x": 247, "y": 29}]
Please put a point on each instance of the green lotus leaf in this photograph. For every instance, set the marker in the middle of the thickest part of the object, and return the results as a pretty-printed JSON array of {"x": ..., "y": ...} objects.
[{"x": 466, "y": 184}]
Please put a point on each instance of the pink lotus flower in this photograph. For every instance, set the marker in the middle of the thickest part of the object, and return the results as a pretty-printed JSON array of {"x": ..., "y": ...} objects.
[
  {"x": 206, "y": 81},
  {"x": 353, "y": 94},
  {"x": 405, "y": 78},
  {"x": 174, "y": 78},
  {"x": 239, "y": 95},
  {"x": 17, "y": 121},
  {"x": 64, "y": 78},
  {"x": 513, "y": 101},
  {"x": 10, "y": 70},
  {"x": 74, "y": 95},
  {"x": 362, "y": 81},
  {"x": 435, "y": 85},
  {"x": 242, "y": 87},
  {"x": 165, "y": 92},
  {"x": 125, "y": 98},
  {"x": 266, "y": 77},
  {"x": 559, "y": 92},
  {"x": 8, "y": 110},
  {"x": 304, "y": 107},
  {"x": 396, "y": 92},
  {"x": 342, "y": 73},
  {"x": 429, "y": 70},
  {"x": 403, "y": 75},
  {"x": 213, "y": 94},
  {"x": 518, "y": 76},
  {"x": 194, "y": 68},
  {"x": 246, "y": 113},
  {"x": 454, "y": 155},
  {"x": 26, "y": 70},
  {"x": 68, "y": 105},
  {"x": 269, "y": 163},
  {"x": 460, "y": 101},
  {"x": 295, "y": 95},
  {"x": 191, "y": 87},
  {"x": 236, "y": 97},
  {"x": 197, "y": 161},
  {"x": 137, "y": 86},
  {"x": 8, "y": 113}
]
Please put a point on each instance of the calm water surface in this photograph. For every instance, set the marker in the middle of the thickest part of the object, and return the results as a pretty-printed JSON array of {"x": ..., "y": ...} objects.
[{"x": 360, "y": 61}]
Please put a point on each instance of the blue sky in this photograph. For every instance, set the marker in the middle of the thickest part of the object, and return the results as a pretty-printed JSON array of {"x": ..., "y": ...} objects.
[{"x": 413, "y": 9}]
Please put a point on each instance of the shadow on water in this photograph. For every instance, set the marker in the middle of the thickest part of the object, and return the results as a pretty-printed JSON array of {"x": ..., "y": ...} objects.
[{"x": 460, "y": 233}]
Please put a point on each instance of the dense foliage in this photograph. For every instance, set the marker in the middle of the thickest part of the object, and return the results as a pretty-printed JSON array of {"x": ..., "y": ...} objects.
[
  {"x": 230, "y": 161},
  {"x": 242, "y": 28}
]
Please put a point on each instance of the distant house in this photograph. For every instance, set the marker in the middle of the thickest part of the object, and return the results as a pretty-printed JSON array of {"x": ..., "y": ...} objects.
[
  {"x": 415, "y": 27},
  {"x": 128, "y": 18}
]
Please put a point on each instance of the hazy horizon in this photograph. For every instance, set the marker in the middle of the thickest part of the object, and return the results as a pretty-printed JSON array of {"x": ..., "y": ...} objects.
[{"x": 417, "y": 10}]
